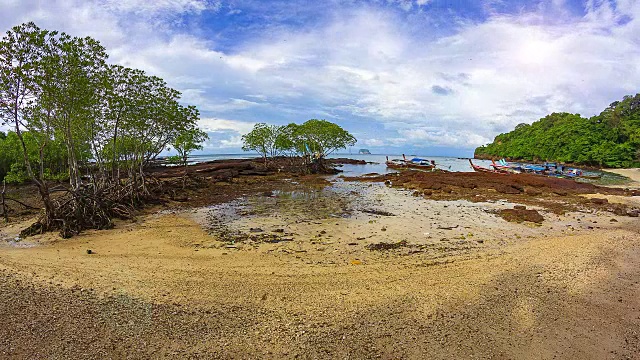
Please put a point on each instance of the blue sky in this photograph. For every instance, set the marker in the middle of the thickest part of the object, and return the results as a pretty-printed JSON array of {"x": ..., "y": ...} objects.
[{"x": 433, "y": 77}]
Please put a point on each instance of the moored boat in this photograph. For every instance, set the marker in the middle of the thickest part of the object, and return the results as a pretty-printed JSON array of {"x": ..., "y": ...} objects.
[
  {"x": 485, "y": 170},
  {"x": 415, "y": 163}
]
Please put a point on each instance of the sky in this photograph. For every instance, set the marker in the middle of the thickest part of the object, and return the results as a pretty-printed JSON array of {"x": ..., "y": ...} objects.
[{"x": 430, "y": 77}]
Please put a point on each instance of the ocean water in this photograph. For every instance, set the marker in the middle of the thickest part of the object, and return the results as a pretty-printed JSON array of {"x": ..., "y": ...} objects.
[{"x": 447, "y": 163}]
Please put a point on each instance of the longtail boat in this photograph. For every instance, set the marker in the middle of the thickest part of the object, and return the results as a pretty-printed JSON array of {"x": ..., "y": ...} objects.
[
  {"x": 415, "y": 163},
  {"x": 485, "y": 170},
  {"x": 503, "y": 167},
  {"x": 546, "y": 169}
]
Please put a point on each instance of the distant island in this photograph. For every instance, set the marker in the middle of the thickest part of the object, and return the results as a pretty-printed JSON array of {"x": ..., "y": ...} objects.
[
  {"x": 610, "y": 139},
  {"x": 364, "y": 152}
]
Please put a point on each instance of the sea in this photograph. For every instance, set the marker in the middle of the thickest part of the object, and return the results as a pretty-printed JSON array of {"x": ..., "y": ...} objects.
[{"x": 376, "y": 162}]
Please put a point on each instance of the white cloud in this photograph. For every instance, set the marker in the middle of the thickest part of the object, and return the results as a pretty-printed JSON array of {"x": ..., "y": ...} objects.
[
  {"x": 365, "y": 67},
  {"x": 213, "y": 124}
]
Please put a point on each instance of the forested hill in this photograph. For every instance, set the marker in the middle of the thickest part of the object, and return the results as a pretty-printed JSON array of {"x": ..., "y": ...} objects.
[{"x": 610, "y": 139}]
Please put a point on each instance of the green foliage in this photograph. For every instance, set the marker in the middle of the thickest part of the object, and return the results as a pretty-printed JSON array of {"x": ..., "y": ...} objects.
[
  {"x": 264, "y": 139},
  {"x": 322, "y": 137},
  {"x": 11, "y": 159},
  {"x": 71, "y": 112},
  {"x": 610, "y": 139},
  {"x": 314, "y": 137},
  {"x": 175, "y": 159},
  {"x": 16, "y": 174},
  {"x": 188, "y": 141}
]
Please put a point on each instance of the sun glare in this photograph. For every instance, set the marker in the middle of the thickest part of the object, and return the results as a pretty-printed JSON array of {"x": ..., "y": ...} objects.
[{"x": 534, "y": 52}]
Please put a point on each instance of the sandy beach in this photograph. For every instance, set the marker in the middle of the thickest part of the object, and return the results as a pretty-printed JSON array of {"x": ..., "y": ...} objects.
[{"x": 354, "y": 270}]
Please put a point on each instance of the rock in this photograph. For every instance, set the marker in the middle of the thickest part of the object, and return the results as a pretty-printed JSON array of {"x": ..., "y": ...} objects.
[
  {"x": 387, "y": 246},
  {"x": 633, "y": 213},
  {"x": 532, "y": 191},
  {"x": 619, "y": 210},
  {"x": 278, "y": 230},
  {"x": 613, "y": 220},
  {"x": 599, "y": 201},
  {"x": 255, "y": 230},
  {"x": 517, "y": 215},
  {"x": 520, "y": 207},
  {"x": 89, "y": 251}
]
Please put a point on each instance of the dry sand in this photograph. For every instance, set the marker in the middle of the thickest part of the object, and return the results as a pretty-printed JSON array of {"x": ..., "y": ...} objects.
[{"x": 166, "y": 287}]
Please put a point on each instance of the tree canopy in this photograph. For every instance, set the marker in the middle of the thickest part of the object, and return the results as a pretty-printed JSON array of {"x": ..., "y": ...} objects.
[
  {"x": 610, "y": 139},
  {"x": 314, "y": 137},
  {"x": 74, "y": 116}
]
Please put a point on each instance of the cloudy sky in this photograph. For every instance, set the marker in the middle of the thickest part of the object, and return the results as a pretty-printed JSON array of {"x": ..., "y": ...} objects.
[{"x": 435, "y": 77}]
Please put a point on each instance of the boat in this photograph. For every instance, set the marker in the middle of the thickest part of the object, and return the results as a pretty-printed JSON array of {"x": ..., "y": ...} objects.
[
  {"x": 485, "y": 170},
  {"x": 414, "y": 163},
  {"x": 504, "y": 167},
  {"x": 395, "y": 163},
  {"x": 579, "y": 174},
  {"x": 547, "y": 169}
]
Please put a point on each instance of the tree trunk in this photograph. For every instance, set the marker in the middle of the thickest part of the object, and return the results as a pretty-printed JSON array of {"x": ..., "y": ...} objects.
[{"x": 5, "y": 213}]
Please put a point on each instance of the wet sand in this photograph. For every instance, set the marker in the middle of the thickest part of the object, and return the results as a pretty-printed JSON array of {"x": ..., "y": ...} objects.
[
  {"x": 290, "y": 274},
  {"x": 632, "y": 174}
]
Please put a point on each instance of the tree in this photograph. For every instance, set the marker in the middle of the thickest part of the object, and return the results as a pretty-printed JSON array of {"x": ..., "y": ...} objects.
[
  {"x": 22, "y": 53},
  {"x": 321, "y": 138},
  {"x": 72, "y": 113},
  {"x": 611, "y": 138},
  {"x": 187, "y": 142},
  {"x": 263, "y": 139}
]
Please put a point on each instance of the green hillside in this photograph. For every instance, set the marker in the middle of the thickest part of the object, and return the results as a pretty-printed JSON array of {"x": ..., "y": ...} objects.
[{"x": 610, "y": 139}]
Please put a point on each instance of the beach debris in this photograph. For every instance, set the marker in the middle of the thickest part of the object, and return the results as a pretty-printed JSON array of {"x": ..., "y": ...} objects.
[
  {"x": 447, "y": 227},
  {"x": 89, "y": 251},
  {"x": 356, "y": 262},
  {"x": 377, "y": 212},
  {"x": 255, "y": 230},
  {"x": 387, "y": 246},
  {"x": 519, "y": 207}
]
